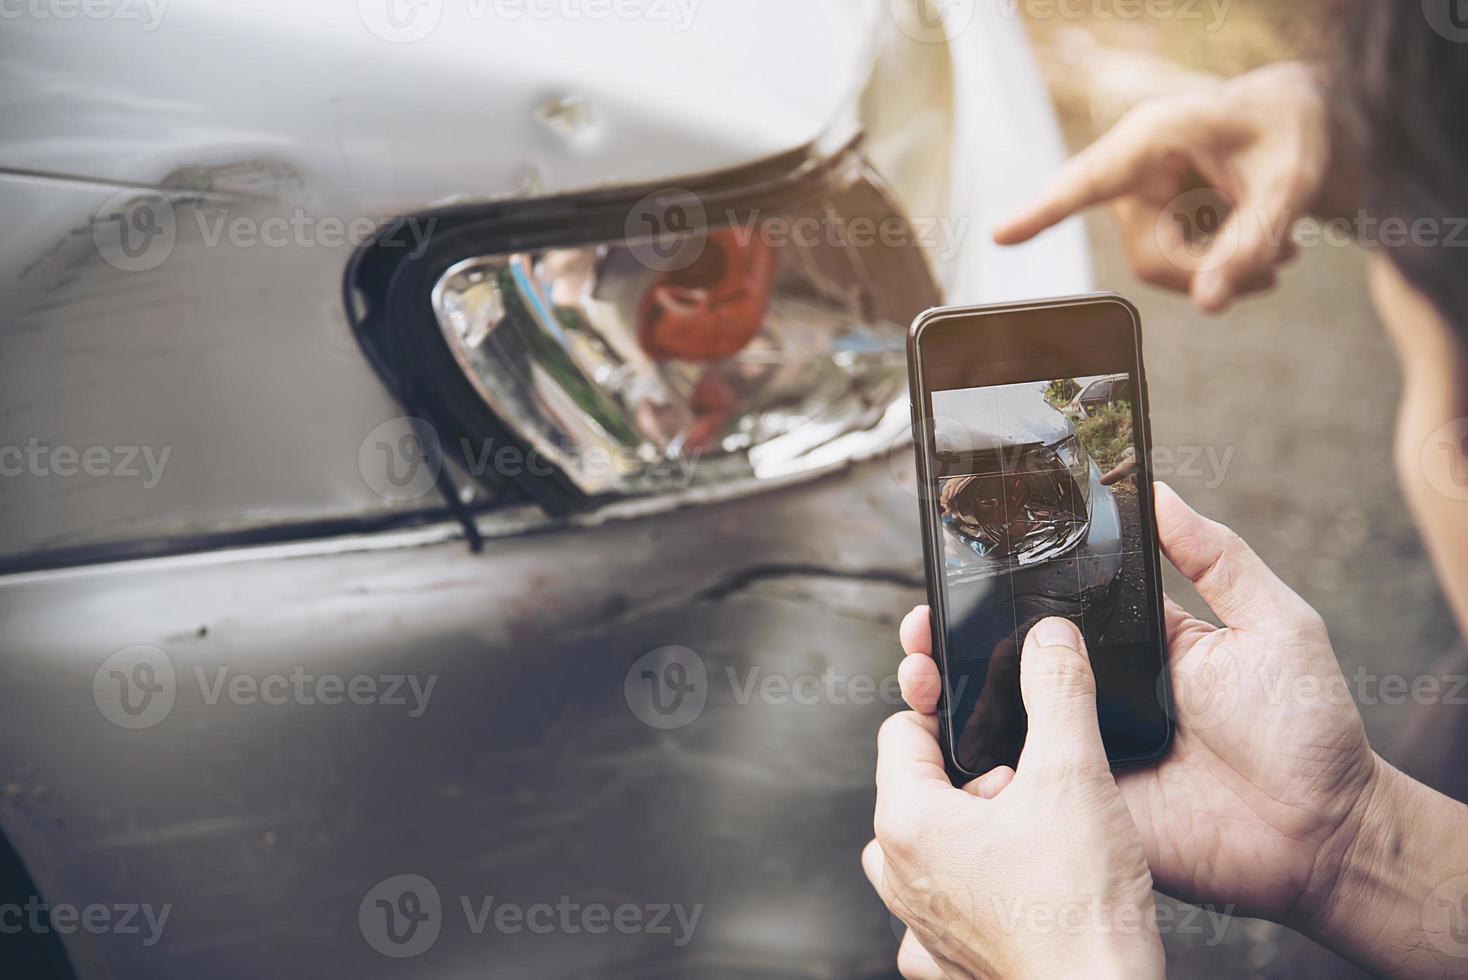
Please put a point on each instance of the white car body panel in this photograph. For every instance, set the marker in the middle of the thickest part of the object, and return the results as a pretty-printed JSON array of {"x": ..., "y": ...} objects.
[
  {"x": 265, "y": 828},
  {"x": 387, "y": 127}
]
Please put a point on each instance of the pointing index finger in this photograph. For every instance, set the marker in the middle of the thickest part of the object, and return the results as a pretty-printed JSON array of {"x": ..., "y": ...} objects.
[{"x": 1106, "y": 169}]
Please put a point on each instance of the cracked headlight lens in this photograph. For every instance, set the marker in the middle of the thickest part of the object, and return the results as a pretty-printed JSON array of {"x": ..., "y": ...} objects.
[{"x": 759, "y": 344}]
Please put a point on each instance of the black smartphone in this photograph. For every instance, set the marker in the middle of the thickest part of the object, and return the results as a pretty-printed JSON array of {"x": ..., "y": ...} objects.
[{"x": 1033, "y": 447}]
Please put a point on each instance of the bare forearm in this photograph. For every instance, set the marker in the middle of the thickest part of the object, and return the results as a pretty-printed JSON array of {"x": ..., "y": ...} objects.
[{"x": 1398, "y": 902}]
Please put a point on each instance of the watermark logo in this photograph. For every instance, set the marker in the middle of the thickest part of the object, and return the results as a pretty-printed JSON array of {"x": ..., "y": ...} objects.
[
  {"x": 1444, "y": 460},
  {"x": 1205, "y": 689},
  {"x": 667, "y": 688},
  {"x": 402, "y": 916},
  {"x": 1445, "y": 917},
  {"x": 138, "y": 688},
  {"x": 135, "y": 688},
  {"x": 134, "y": 231},
  {"x": 1201, "y": 230},
  {"x": 667, "y": 230},
  {"x": 400, "y": 21},
  {"x": 932, "y": 21},
  {"x": 1448, "y": 18},
  {"x": 942, "y": 907},
  {"x": 1193, "y": 231},
  {"x": 401, "y": 459}
]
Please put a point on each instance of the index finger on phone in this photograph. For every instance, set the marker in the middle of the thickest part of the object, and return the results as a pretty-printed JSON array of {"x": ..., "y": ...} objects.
[{"x": 1104, "y": 170}]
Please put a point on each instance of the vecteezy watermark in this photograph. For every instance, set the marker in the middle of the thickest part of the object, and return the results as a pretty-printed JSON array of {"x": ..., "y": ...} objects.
[
  {"x": 669, "y": 230},
  {"x": 145, "y": 463},
  {"x": 401, "y": 460},
  {"x": 407, "y": 21},
  {"x": 1365, "y": 687},
  {"x": 1209, "y": 464},
  {"x": 138, "y": 688},
  {"x": 301, "y": 229},
  {"x": 1211, "y": 14},
  {"x": 943, "y": 236},
  {"x": 147, "y": 14},
  {"x": 932, "y": 21},
  {"x": 39, "y": 917},
  {"x": 669, "y": 687},
  {"x": 1449, "y": 18},
  {"x": 1445, "y": 917},
  {"x": 1202, "y": 229},
  {"x": 1444, "y": 459},
  {"x": 404, "y": 915},
  {"x": 1097, "y": 917},
  {"x": 137, "y": 231}
]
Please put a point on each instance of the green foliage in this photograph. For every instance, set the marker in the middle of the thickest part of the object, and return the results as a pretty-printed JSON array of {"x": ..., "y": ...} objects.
[
  {"x": 1107, "y": 434},
  {"x": 1059, "y": 393}
]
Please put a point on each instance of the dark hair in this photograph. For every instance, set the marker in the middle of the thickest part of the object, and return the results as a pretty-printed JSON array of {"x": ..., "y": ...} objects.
[{"x": 1403, "y": 75}]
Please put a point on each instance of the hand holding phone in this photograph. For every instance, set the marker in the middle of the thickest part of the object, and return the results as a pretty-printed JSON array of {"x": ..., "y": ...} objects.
[
  {"x": 1031, "y": 427},
  {"x": 1259, "y": 792},
  {"x": 982, "y": 875}
]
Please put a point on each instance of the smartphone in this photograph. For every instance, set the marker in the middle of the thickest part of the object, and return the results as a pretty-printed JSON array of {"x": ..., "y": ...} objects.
[{"x": 1033, "y": 446}]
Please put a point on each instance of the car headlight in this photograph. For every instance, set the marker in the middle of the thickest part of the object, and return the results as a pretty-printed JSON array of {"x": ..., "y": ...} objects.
[
  {"x": 1073, "y": 458},
  {"x": 653, "y": 342}
]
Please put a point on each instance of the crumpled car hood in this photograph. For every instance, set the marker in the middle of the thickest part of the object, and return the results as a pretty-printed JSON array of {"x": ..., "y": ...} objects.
[{"x": 989, "y": 419}]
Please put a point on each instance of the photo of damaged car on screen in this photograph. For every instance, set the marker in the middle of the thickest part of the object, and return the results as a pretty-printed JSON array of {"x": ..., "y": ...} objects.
[
  {"x": 1038, "y": 503},
  {"x": 1039, "y": 515}
]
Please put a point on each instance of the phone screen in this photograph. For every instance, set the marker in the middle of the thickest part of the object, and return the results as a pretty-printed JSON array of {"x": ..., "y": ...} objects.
[{"x": 1039, "y": 503}]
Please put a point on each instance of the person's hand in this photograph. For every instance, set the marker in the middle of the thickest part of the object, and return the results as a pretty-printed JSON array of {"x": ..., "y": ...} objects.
[
  {"x": 1269, "y": 776},
  {"x": 1029, "y": 872},
  {"x": 1260, "y": 142}
]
